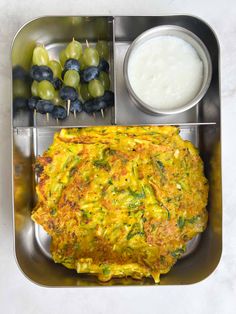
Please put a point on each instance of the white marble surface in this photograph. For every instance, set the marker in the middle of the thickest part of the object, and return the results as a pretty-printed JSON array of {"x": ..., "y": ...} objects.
[{"x": 217, "y": 293}]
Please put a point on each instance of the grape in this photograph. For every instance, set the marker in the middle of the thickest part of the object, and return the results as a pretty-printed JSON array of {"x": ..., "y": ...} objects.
[
  {"x": 104, "y": 79},
  {"x": 34, "y": 88},
  {"x": 91, "y": 57},
  {"x": 108, "y": 97},
  {"x": 62, "y": 57},
  {"x": 88, "y": 106},
  {"x": 76, "y": 106},
  {"x": 73, "y": 50},
  {"x": 95, "y": 88},
  {"x": 103, "y": 49},
  {"x": 19, "y": 73},
  {"x": 99, "y": 103},
  {"x": 79, "y": 88},
  {"x": 46, "y": 90},
  {"x": 82, "y": 63},
  {"x": 63, "y": 73},
  {"x": 55, "y": 67},
  {"x": 56, "y": 99},
  {"x": 41, "y": 73},
  {"x": 84, "y": 92},
  {"x": 94, "y": 105},
  {"x": 20, "y": 103},
  {"x": 20, "y": 89},
  {"x": 72, "y": 64},
  {"x": 44, "y": 106},
  {"x": 57, "y": 83},
  {"x": 103, "y": 65},
  {"x": 68, "y": 93},
  {"x": 59, "y": 112},
  {"x": 40, "y": 56},
  {"x": 72, "y": 78},
  {"x": 32, "y": 102},
  {"x": 89, "y": 74}
]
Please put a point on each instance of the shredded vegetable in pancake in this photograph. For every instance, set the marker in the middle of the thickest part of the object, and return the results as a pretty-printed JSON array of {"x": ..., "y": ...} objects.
[{"x": 120, "y": 201}]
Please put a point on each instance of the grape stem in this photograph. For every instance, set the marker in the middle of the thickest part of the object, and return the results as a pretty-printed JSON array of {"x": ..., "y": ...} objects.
[
  {"x": 47, "y": 116},
  {"x": 35, "y": 116},
  {"x": 68, "y": 107},
  {"x": 87, "y": 44},
  {"x": 74, "y": 114},
  {"x": 102, "y": 113}
]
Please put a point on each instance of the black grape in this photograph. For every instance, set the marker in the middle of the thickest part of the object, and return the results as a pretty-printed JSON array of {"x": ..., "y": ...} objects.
[
  {"x": 59, "y": 112},
  {"x": 68, "y": 93},
  {"x": 89, "y": 74},
  {"x": 103, "y": 65},
  {"x": 41, "y": 73},
  {"x": 44, "y": 106}
]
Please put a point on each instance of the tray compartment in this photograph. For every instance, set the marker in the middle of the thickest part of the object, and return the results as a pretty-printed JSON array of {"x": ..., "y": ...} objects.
[
  {"x": 32, "y": 243},
  {"x": 127, "y": 28},
  {"x": 54, "y": 33}
]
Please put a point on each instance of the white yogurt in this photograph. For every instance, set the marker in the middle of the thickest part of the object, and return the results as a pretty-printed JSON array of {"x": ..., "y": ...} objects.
[{"x": 165, "y": 72}]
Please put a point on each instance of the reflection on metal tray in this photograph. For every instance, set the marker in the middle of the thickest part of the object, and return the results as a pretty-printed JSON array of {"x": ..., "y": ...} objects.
[{"x": 32, "y": 135}]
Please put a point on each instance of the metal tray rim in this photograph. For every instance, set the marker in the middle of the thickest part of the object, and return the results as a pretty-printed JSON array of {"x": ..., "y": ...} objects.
[{"x": 182, "y": 124}]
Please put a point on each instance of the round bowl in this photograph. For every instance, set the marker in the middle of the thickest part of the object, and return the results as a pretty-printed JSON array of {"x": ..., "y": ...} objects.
[{"x": 189, "y": 37}]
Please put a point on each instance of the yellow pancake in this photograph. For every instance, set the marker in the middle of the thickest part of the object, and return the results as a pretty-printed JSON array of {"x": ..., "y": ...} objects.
[{"x": 121, "y": 201}]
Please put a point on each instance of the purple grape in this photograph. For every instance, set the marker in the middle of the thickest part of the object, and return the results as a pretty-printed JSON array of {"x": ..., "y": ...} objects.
[
  {"x": 41, "y": 73},
  {"x": 59, "y": 112}
]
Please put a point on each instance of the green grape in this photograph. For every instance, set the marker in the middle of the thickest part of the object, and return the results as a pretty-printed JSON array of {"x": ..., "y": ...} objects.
[
  {"x": 34, "y": 88},
  {"x": 103, "y": 49},
  {"x": 104, "y": 79},
  {"x": 57, "y": 101},
  {"x": 71, "y": 78},
  {"x": 20, "y": 89},
  {"x": 95, "y": 88},
  {"x": 82, "y": 63},
  {"x": 55, "y": 67},
  {"x": 73, "y": 50},
  {"x": 84, "y": 92},
  {"x": 91, "y": 57},
  {"x": 78, "y": 88},
  {"x": 40, "y": 56},
  {"x": 79, "y": 92},
  {"x": 46, "y": 90},
  {"x": 62, "y": 57}
]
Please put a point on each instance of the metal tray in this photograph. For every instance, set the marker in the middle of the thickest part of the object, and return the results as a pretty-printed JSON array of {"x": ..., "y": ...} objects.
[{"x": 32, "y": 135}]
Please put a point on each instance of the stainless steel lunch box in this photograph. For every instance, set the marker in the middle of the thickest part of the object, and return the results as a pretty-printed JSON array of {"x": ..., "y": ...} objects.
[{"x": 32, "y": 134}]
